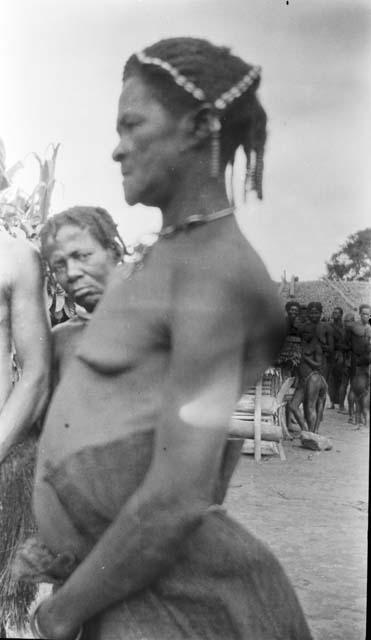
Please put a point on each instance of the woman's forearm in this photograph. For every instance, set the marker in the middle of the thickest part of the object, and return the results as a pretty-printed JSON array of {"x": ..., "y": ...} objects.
[{"x": 23, "y": 406}]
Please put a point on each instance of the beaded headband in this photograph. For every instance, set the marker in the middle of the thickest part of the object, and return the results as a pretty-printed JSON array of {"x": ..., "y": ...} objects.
[{"x": 219, "y": 104}]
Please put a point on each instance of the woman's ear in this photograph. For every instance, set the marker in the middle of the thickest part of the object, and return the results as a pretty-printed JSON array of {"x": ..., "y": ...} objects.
[
  {"x": 199, "y": 125},
  {"x": 118, "y": 253}
]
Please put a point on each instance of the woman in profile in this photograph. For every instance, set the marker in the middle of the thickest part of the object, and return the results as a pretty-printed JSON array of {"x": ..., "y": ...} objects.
[{"x": 132, "y": 449}]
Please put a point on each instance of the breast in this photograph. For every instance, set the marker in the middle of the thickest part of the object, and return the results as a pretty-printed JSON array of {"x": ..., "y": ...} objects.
[{"x": 130, "y": 324}]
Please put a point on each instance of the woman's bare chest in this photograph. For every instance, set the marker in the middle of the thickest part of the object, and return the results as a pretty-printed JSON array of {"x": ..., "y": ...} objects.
[{"x": 132, "y": 323}]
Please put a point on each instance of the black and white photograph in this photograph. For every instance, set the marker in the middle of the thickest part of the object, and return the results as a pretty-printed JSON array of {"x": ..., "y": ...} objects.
[{"x": 185, "y": 319}]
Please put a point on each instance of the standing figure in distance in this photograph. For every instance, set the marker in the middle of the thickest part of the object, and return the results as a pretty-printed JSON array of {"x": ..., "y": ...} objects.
[
  {"x": 133, "y": 443},
  {"x": 311, "y": 388},
  {"x": 338, "y": 361},
  {"x": 24, "y": 335},
  {"x": 360, "y": 341},
  {"x": 292, "y": 309},
  {"x": 325, "y": 335},
  {"x": 349, "y": 319},
  {"x": 289, "y": 357},
  {"x": 290, "y": 354}
]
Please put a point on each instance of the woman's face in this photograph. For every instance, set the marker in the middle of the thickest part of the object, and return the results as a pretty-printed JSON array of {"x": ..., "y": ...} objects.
[
  {"x": 80, "y": 264},
  {"x": 151, "y": 145}
]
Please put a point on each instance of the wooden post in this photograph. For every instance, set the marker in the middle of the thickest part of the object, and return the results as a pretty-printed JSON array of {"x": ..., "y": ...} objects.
[{"x": 257, "y": 421}]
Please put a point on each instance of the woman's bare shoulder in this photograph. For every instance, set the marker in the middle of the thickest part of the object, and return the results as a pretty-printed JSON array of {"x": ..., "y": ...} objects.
[
  {"x": 222, "y": 262},
  {"x": 17, "y": 250},
  {"x": 238, "y": 263}
]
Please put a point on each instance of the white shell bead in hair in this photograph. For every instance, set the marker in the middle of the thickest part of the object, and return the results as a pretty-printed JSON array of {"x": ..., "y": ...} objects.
[
  {"x": 224, "y": 99},
  {"x": 220, "y": 104},
  {"x": 181, "y": 80},
  {"x": 199, "y": 94}
]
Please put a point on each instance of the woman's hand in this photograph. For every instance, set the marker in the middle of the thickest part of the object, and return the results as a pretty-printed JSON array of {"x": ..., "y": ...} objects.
[{"x": 50, "y": 625}]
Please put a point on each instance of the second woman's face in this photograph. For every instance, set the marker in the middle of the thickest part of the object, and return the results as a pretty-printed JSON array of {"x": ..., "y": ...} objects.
[{"x": 150, "y": 148}]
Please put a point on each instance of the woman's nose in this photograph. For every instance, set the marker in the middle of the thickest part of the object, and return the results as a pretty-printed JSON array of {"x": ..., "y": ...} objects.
[
  {"x": 118, "y": 152},
  {"x": 73, "y": 270}
]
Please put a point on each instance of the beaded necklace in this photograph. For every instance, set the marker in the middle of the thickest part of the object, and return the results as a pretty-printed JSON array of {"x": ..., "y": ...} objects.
[
  {"x": 196, "y": 219},
  {"x": 137, "y": 259}
]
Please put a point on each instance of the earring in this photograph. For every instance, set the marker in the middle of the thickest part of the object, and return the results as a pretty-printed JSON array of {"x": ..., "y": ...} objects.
[
  {"x": 247, "y": 180},
  {"x": 215, "y": 127}
]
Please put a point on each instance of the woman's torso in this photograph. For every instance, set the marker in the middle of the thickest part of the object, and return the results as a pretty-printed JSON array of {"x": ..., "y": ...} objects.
[{"x": 109, "y": 400}]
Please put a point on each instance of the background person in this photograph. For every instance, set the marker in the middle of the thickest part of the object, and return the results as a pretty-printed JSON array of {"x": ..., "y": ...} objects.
[
  {"x": 360, "y": 347},
  {"x": 292, "y": 309},
  {"x": 349, "y": 319},
  {"x": 338, "y": 360},
  {"x": 82, "y": 247},
  {"x": 133, "y": 443},
  {"x": 290, "y": 354},
  {"x": 324, "y": 333},
  {"x": 311, "y": 386}
]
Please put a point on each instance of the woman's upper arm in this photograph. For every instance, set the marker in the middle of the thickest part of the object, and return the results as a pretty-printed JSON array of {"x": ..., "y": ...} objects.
[
  {"x": 30, "y": 329},
  {"x": 201, "y": 389}
]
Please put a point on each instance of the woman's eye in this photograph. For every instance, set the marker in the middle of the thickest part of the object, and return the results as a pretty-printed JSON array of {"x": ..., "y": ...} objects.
[
  {"x": 130, "y": 124},
  {"x": 58, "y": 267}
]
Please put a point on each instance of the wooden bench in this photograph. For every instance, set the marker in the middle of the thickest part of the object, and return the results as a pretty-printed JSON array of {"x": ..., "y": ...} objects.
[{"x": 260, "y": 414}]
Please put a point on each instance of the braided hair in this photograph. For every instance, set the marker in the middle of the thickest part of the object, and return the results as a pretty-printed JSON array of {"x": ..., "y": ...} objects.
[
  {"x": 97, "y": 220},
  {"x": 184, "y": 72}
]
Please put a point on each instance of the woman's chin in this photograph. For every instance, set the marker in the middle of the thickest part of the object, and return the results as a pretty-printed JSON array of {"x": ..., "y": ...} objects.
[{"x": 132, "y": 194}]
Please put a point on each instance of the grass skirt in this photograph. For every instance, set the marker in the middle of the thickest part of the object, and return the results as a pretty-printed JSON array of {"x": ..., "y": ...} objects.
[
  {"x": 225, "y": 585},
  {"x": 16, "y": 524}
]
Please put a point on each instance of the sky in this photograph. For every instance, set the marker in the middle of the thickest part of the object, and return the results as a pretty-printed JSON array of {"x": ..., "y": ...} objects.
[{"x": 60, "y": 79}]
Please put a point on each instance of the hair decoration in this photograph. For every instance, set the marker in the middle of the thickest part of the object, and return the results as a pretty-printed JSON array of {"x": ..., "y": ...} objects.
[
  {"x": 224, "y": 99},
  {"x": 179, "y": 78},
  {"x": 238, "y": 89},
  {"x": 218, "y": 105},
  {"x": 215, "y": 128}
]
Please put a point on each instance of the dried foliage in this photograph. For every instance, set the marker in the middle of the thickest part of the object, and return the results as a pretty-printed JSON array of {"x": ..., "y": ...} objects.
[
  {"x": 22, "y": 215},
  {"x": 16, "y": 525}
]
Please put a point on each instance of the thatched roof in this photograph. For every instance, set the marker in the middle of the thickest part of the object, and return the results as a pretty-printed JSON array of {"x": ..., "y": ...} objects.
[{"x": 347, "y": 295}]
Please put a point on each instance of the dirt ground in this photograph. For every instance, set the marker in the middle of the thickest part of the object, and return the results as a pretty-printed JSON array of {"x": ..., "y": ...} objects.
[{"x": 312, "y": 510}]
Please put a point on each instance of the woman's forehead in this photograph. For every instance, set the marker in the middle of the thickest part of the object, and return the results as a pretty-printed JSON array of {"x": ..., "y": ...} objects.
[
  {"x": 135, "y": 94},
  {"x": 71, "y": 236},
  {"x": 140, "y": 98}
]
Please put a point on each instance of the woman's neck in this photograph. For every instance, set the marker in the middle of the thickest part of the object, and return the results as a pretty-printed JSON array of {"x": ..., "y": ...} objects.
[{"x": 195, "y": 195}]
